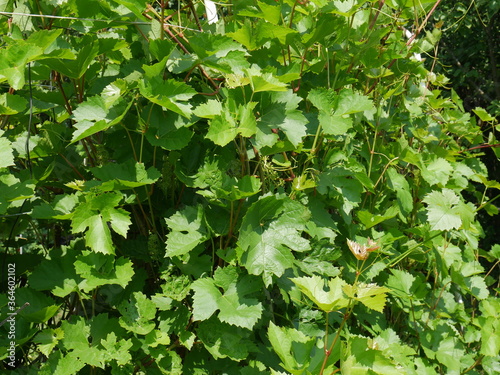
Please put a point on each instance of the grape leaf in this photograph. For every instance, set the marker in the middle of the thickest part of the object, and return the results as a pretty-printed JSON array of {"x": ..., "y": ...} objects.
[
  {"x": 125, "y": 176},
  {"x": 370, "y": 295},
  {"x": 399, "y": 184},
  {"x": 292, "y": 346},
  {"x": 137, "y": 314},
  {"x": 444, "y": 211},
  {"x": 437, "y": 172},
  {"x": 6, "y": 156},
  {"x": 95, "y": 214},
  {"x": 171, "y": 94},
  {"x": 118, "y": 272},
  {"x": 57, "y": 275},
  {"x": 223, "y": 340},
  {"x": 360, "y": 358},
  {"x": 282, "y": 113},
  {"x": 187, "y": 231},
  {"x": 269, "y": 231},
  {"x": 313, "y": 287},
  {"x": 117, "y": 350},
  {"x": 235, "y": 308},
  {"x": 334, "y": 108},
  {"x": 11, "y": 104}
]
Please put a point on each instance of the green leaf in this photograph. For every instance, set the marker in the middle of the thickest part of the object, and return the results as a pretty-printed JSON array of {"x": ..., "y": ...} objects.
[
  {"x": 98, "y": 113},
  {"x": 18, "y": 53},
  {"x": 313, "y": 287},
  {"x": 57, "y": 275},
  {"x": 235, "y": 308},
  {"x": 482, "y": 114},
  {"x": 261, "y": 82},
  {"x": 233, "y": 189},
  {"x": 137, "y": 314},
  {"x": 11, "y": 104},
  {"x": 292, "y": 346},
  {"x": 170, "y": 94},
  {"x": 87, "y": 48},
  {"x": 76, "y": 333},
  {"x": 361, "y": 358},
  {"x": 61, "y": 208},
  {"x": 117, "y": 350},
  {"x": 335, "y": 107},
  {"x": 281, "y": 113},
  {"x": 95, "y": 214},
  {"x": 118, "y": 272},
  {"x": 370, "y": 295},
  {"x": 399, "y": 184},
  {"x": 369, "y": 220},
  {"x": 165, "y": 129},
  {"x": 125, "y": 176},
  {"x": 6, "y": 156},
  {"x": 444, "y": 210},
  {"x": 490, "y": 327},
  {"x": 437, "y": 172},
  {"x": 270, "y": 229},
  {"x": 225, "y": 341},
  {"x": 187, "y": 231},
  {"x": 41, "y": 307},
  {"x": 222, "y": 129},
  {"x": 47, "y": 339},
  {"x": 338, "y": 184}
]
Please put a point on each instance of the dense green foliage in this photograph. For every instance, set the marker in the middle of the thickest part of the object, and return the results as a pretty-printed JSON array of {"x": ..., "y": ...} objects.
[{"x": 285, "y": 191}]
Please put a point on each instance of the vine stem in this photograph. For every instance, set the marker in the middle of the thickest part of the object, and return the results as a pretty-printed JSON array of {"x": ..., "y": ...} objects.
[{"x": 347, "y": 314}]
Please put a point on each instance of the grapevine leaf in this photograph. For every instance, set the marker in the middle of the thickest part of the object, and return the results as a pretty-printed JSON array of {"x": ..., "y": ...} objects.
[
  {"x": 223, "y": 340},
  {"x": 6, "y": 156},
  {"x": 234, "y": 308},
  {"x": 187, "y": 231},
  {"x": 269, "y": 231},
  {"x": 360, "y": 358},
  {"x": 399, "y": 184},
  {"x": 313, "y": 287},
  {"x": 117, "y": 350},
  {"x": 11, "y": 104},
  {"x": 292, "y": 346},
  {"x": 437, "y": 172},
  {"x": 137, "y": 314},
  {"x": 125, "y": 176},
  {"x": 118, "y": 272},
  {"x": 57, "y": 275},
  {"x": 370, "y": 295},
  {"x": 48, "y": 339},
  {"x": 95, "y": 214},
  {"x": 170, "y": 94},
  {"x": 442, "y": 211},
  {"x": 61, "y": 208}
]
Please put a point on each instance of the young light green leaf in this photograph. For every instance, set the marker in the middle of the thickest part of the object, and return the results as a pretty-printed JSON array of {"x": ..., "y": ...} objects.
[
  {"x": 442, "y": 211},
  {"x": 437, "y": 172},
  {"x": 117, "y": 350},
  {"x": 370, "y": 295},
  {"x": 313, "y": 287}
]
